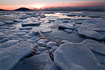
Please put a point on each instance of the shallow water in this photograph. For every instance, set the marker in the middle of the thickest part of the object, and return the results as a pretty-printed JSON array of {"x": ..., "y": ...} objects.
[
  {"x": 64, "y": 15},
  {"x": 51, "y": 19}
]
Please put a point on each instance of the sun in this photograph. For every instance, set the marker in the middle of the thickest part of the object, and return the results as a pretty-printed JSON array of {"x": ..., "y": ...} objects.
[{"x": 38, "y": 6}]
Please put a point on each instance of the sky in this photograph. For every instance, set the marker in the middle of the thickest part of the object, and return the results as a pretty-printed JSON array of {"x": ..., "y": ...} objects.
[{"x": 13, "y": 4}]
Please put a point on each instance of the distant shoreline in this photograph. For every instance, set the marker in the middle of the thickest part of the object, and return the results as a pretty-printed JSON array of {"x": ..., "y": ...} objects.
[{"x": 61, "y": 9}]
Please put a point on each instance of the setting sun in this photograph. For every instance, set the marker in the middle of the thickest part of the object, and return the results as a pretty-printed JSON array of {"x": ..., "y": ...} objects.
[{"x": 38, "y": 6}]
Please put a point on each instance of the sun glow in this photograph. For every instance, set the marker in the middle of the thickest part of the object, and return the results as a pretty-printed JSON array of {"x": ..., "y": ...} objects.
[{"x": 38, "y": 6}]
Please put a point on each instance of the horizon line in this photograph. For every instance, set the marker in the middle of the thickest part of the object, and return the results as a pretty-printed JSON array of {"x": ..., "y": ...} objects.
[
  {"x": 56, "y": 4},
  {"x": 57, "y": 7}
]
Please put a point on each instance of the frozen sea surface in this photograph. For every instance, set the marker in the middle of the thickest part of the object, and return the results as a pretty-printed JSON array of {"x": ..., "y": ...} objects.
[{"x": 51, "y": 34}]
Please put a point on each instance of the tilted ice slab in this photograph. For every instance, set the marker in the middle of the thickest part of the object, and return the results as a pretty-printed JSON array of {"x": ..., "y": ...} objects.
[
  {"x": 37, "y": 62},
  {"x": 2, "y": 35},
  {"x": 11, "y": 55},
  {"x": 25, "y": 28},
  {"x": 8, "y": 43},
  {"x": 94, "y": 45},
  {"x": 4, "y": 40},
  {"x": 1, "y": 23},
  {"x": 97, "y": 48},
  {"x": 8, "y": 22},
  {"x": 90, "y": 34},
  {"x": 67, "y": 26},
  {"x": 30, "y": 24},
  {"x": 57, "y": 35},
  {"x": 75, "y": 57}
]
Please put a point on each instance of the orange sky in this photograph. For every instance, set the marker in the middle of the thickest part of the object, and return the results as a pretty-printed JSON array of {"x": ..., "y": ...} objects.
[{"x": 55, "y": 4}]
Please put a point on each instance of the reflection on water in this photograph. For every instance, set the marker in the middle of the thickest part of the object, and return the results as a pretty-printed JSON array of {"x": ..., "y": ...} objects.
[
  {"x": 76, "y": 12},
  {"x": 51, "y": 21},
  {"x": 64, "y": 15},
  {"x": 52, "y": 18}
]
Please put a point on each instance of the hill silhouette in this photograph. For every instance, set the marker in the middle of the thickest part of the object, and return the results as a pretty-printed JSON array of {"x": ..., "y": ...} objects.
[
  {"x": 2, "y": 10},
  {"x": 23, "y": 9}
]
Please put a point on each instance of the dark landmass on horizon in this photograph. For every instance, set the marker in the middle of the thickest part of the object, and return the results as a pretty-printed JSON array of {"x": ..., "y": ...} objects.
[
  {"x": 3, "y": 10},
  {"x": 60, "y": 9},
  {"x": 23, "y": 9}
]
